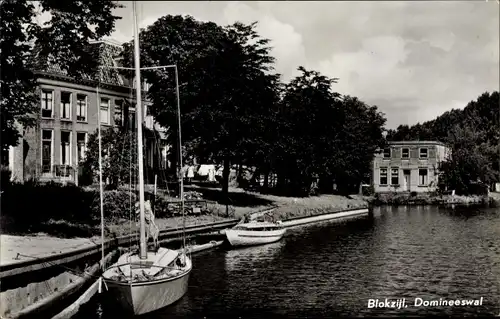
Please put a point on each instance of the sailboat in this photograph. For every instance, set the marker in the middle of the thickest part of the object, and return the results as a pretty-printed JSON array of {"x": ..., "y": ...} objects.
[{"x": 147, "y": 280}]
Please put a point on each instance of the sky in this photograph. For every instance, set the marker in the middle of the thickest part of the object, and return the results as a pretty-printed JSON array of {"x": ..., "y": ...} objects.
[{"x": 413, "y": 60}]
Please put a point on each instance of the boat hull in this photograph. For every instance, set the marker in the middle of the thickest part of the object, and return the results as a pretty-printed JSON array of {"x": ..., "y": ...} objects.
[
  {"x": 144, "y": 297},
  {"x": 139, "y": 299},
  {"x": 237, "y": 237}
]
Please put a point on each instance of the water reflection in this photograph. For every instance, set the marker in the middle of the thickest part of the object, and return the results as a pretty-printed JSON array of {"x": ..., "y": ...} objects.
[{"x": 241, "y": 258}]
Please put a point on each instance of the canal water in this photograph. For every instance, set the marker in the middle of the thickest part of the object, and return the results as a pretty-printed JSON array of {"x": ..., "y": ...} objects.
[{"x": 332, "y": 269}]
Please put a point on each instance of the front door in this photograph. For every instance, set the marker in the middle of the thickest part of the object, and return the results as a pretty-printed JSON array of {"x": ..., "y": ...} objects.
[{"x": 407, "y": 179}]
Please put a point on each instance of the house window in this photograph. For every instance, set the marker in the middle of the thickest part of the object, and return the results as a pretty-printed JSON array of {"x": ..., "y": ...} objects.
[
  {"x": 405, "y": 153},
  {"x": 395, "y": 176},
  {"x": 47, "y": 103},
  {"x": 149, "y": 120},
  {"x": 387, "y": 153},
  {"x": 46, "y": 151},
  {"x": 104, "y": 111},
  {"x": 118, "y": 116},
  {"x": 422, "y": 176},
  {"x": 65, "y": 105},
  {"x": 423, "y": 153},
  {"x": 383, "y": 176},
  {"x": 81, "y": 143},
  {"x": 65, "y": 148},
  {"x": 81, "y": 108}
]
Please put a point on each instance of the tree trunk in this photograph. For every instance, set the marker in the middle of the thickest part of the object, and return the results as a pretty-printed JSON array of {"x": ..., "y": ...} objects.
[
  {"x": 225, "y": 183},
  {"x": 281, "y": 182},
  {"x": 4, "y": 159},
  {"x": 225, "y": 177},
  {"x": 255, "y": 176},
  {"x": 325, "y": 184},
  {"x": 239, "y": 179}
]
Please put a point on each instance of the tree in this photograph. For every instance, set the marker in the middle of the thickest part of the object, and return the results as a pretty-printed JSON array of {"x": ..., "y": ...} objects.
[
  {"x": 361, "y": 135},
  {"x": 469, "y": 161},
  {"x": 224, "y": 80},
  {"x": 181, "y": 41},
  {"x": 324, "y": 135},
  {"x": 119, "y": 156},
  {"x": 248, "y": 91},
  {"x": 63, "y": 40},
  {"x": 309, "y": 117}
]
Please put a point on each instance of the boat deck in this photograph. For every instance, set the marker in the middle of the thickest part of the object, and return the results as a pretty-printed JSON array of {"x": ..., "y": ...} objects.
[{"x": 130, "y": 265}]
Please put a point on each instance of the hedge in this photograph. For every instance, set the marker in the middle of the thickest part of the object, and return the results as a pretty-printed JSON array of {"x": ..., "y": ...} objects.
[{"x": 27, "y": 206}]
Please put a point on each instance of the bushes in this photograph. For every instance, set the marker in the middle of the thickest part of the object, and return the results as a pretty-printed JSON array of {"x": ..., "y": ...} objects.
[
  {"x": 435, "y": 198},
  {"x": 118, "y": 204},
  {"x": 28, "y": 206},
  {"x": 368, "y": 190},
  {"x": 165, "y": 209}
]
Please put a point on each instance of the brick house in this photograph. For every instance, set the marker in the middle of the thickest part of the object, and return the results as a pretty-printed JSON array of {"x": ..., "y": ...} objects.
[
  {"x": 69, "y": 110},
  {"x": 408, "y": 166}
]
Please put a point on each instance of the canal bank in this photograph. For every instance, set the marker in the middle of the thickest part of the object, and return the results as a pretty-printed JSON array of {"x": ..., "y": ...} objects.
[{"x": 39, "y": 294}]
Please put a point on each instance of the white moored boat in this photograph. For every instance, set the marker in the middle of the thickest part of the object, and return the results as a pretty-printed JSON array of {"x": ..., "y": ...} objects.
[{"x": 255, "y": 233}]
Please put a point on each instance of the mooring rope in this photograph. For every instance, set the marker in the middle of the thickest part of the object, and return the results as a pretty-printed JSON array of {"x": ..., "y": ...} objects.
[{"x": 49, "y": 264}]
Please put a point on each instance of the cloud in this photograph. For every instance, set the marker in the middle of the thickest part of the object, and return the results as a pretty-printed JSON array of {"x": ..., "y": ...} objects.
[
  {"x": 286, "y": 42},
  {"x": 371, "y": 68},
  {"x": 443, "y": 56}
]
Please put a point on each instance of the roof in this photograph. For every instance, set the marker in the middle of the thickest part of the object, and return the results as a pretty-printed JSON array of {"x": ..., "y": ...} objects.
[
  {"x": 107, "y": 53},
  {"x": 398, "y": 143}
]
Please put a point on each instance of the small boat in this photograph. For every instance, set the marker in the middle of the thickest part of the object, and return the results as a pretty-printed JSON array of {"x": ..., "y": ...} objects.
[{"x": 255, "y": 233}]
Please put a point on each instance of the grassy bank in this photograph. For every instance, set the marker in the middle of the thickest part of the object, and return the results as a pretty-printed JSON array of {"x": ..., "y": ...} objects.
[{"x": 243, "y": 202}]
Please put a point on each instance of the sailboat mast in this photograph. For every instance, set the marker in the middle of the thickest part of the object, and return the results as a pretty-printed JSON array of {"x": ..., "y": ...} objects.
[
  {"x": 181, "y": 177},
  {"x": 101, "y": 190},
  {"x": 142, "y": 246}
]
